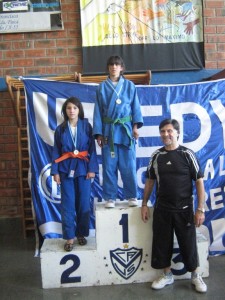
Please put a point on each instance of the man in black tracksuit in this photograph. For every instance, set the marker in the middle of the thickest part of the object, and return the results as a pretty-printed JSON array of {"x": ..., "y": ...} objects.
[{"x": 174, "y": 168}]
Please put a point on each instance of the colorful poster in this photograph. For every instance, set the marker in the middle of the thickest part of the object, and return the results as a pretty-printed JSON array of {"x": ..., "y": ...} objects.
[
  {"x": 120, "y": 25},
  {"x": 122, "y": 22}
]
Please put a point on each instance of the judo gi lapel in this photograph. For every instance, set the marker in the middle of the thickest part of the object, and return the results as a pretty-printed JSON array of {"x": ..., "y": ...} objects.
[
  {"x": 79, "y": 137},
  {"x": 115, "y": 92},
  {"x": 73, "y": 162},
  {"x": 69, "y": 137}
]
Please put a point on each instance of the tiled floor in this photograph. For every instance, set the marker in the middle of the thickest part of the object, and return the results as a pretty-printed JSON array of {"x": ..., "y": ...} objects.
[{"x": 20, "y": 276}]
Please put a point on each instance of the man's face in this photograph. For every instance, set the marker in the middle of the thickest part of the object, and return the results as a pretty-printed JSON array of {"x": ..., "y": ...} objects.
[{"x": 169, "y": 135}]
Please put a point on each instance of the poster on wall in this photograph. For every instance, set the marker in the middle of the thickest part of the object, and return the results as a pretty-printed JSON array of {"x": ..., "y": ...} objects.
[
  {"x": 30, "y": 15},
  {"x": 160, "y": 35}
]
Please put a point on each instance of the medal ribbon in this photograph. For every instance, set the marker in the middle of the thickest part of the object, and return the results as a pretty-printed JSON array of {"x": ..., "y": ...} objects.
[
  {"x": 110, "y": 84},
  {"x": 74, "y": 138}
]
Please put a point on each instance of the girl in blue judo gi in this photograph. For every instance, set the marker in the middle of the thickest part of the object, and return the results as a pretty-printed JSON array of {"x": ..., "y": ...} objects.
[
  {"x": 74, "y": 164},
  {"x": 117, "y": 117}
]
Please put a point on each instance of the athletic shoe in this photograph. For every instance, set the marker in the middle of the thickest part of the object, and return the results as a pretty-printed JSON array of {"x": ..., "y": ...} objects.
[
  {"x": 110, "y": 204},
  {"x": 199, "y": 284},
  {"x": 132, "y": 202},
  {"x": 162, "y": 281}
]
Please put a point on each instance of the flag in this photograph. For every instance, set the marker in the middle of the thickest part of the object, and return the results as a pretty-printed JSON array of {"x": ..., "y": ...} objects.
[{"x": 199, "y": 108}]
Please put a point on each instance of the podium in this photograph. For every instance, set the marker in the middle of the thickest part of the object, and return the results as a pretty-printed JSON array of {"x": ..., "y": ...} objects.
[{"x": 117, "y": 252}]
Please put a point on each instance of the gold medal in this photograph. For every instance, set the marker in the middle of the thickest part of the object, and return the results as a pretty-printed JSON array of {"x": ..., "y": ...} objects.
[
  {"x": 75, "y": 152},
  {"x": 118, "y": 101}
]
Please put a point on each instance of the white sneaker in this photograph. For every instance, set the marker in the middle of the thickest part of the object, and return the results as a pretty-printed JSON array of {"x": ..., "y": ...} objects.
[
  {"x": 110, "y": 204},
  {"x": 132, "y": 202},
  {"x": 199, "y": 284},
  {"x": 162, "y": 281}
]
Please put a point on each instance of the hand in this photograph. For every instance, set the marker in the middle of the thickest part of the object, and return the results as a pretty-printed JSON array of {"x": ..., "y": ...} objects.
[
  {"x": 189, "y": 26},
  {"x": 90, "y": 175},
  {"x": 135, "y": 132},
  {"x": 100, "y": 140},
  {"x": 199, "y": 218},
  {"x": 57, "y": 179},
  {"x": 145, "y": 213}
]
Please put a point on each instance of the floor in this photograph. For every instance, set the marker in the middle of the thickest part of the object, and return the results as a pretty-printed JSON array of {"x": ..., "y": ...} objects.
[{"x": 20, "y": 276}]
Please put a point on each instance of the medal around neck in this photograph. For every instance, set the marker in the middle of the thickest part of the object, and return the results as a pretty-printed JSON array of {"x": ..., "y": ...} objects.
[
  {"x": 118, "y": 100},
  {"x": 75, "y": 152}
]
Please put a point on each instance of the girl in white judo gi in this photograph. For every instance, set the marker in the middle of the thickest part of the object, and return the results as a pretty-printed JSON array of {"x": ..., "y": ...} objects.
[
  {"x": 74, "y": 164},
  {"x": 117, "y": 117}
]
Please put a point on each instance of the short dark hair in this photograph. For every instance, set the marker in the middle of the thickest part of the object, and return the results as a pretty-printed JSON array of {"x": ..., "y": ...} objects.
[
  {"x": 173, "y": 122},
  {"x": 115, "y": 59},
  {"x": 78, "y": 104}
]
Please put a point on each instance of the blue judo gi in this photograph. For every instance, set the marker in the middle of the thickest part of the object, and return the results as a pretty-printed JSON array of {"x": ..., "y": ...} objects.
[
  {"x": 116, "y": 109},
  {"x": 75, "y": 188}
]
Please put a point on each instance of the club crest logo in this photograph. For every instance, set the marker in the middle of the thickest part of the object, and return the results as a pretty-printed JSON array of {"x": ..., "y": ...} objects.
[{"x": 126, "y": 261}]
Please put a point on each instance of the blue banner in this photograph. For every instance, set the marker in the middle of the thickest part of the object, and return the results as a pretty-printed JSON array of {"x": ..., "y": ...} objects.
[{"x": 199, "y": 108}]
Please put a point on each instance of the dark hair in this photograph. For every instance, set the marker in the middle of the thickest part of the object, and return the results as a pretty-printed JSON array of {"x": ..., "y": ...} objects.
[
  {"x": 116, "y": 59},
  {"x": 173, "y": 122},
  {"x": 78, "y": 104}
]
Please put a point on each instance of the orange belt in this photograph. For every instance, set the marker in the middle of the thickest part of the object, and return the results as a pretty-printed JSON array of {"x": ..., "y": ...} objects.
[{"x": 75, "y": 154}]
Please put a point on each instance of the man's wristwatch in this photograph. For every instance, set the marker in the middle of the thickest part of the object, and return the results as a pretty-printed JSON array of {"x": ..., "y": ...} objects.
[{"x": 201, "y": 210}]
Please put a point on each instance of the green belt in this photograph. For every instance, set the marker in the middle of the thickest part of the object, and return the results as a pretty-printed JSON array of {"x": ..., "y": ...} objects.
[{"x": 121, "y": 121}]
